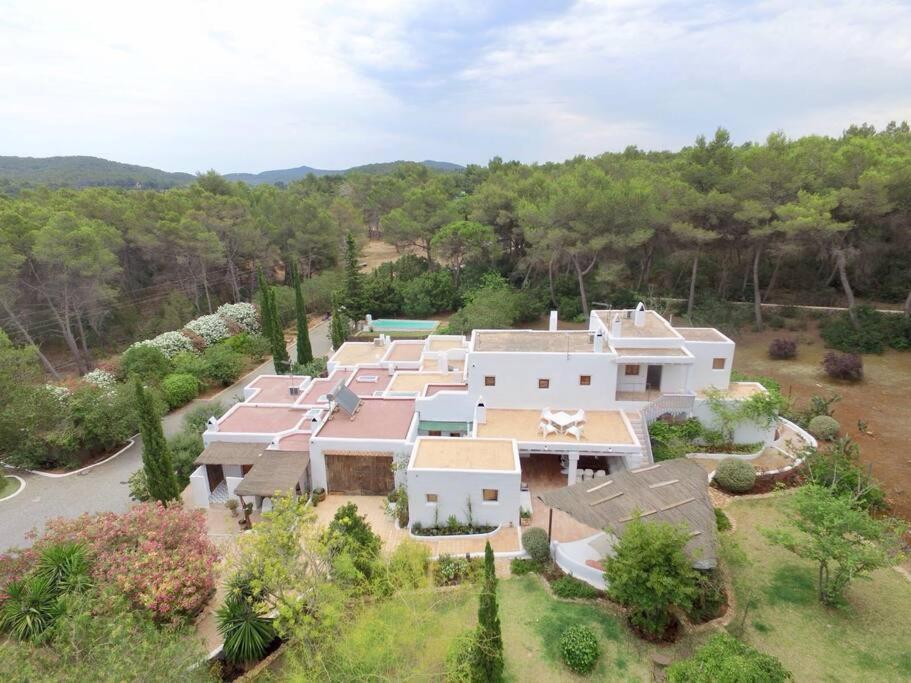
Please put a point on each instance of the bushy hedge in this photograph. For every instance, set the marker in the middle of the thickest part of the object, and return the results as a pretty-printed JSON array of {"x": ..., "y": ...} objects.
[
  {"x": 824, "y": 427},
  {"x": 179, "y": 389},
  {"x": 874, "y": 333},
  {"x": 735, "y": 476},
  {"x": 579, "y": 648},
  {"x": 147, "y": 363},
  {"x": 570, "y": 587},
  {"x": 253, "y": 345},
  {"x": 222, "y": 364},
  {"x": 724, "y": 658},
  {"x": 844, "y": 366},
  {"x": 783, "y": 349},
  {"x": 534, "y": 540}
]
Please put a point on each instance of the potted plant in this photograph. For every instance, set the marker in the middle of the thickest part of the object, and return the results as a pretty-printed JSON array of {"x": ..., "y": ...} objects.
[
  {"x": 232, "y": 504},
  {"x": 320, "y": 494},
  {"x": 524, "y": 517}
]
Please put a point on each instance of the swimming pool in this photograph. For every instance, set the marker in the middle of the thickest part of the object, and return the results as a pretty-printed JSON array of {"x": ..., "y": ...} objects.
[{"x": 391, "y": 325}]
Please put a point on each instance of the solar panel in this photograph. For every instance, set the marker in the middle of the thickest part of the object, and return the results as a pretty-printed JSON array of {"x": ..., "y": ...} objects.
[{"x": 346, "y": 399}]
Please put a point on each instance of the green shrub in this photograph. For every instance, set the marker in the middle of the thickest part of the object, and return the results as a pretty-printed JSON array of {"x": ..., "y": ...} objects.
[
  {"x": 579, "y": 648},
  {"x": 29, "y": 608},
  {"x": 196, "y": 418},
  {"x": 407, "y": 569},
  {"x": 735, "y": 476},
  {"x": 254, "y": 346},
  {"x": 521, "y": 566},
  {"x": 101, "y": 419},
  {"x": 314, "y": 368},
  {"x": 185, "y": 447},
  {"x": 189, "y": 363},
  {"x": 824, "y": 427},
  {"x": 844, "y": 366},
  {"x": 875, "y": 331},
  {"x": 450, "y": 570},
  {"x": 247, "y": 634},
  {"x": 571, "y": 587},
  {"x": 146, "y": 363},
  {"x": 223, "y": 365},
  {"x": 724, "y": 658},
  {"x": 710, "y": 597},
  {"x": 179, "y": 389},
  {"x": 722, "y": 522},
  {"x": 838, "y": 469},
  {"x": 535, "y": 542},
  {"x": 459, "y": 666}
]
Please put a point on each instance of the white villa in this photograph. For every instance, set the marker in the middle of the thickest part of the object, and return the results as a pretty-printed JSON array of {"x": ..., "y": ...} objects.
[{"x": 478, "y": 419}]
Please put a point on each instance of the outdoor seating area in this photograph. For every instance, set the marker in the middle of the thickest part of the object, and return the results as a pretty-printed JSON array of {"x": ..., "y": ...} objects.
[{"x": 562, "y": 422}]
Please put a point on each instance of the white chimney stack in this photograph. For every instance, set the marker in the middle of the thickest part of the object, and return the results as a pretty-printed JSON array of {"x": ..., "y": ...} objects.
[
  {"x": 480, "y": 413},
  {"x": 616, "y": 327},
  {"x": 599, "y": 342},
  {"x": 639, "y": 318},
  {"x": 552, "y": 325}
]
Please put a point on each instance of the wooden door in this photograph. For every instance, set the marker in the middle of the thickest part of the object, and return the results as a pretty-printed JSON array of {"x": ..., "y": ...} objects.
[{"x": 360, "y": 474}]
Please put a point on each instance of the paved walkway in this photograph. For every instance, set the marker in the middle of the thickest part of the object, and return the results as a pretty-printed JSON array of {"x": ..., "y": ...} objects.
[{"x": 104, "y": 488}]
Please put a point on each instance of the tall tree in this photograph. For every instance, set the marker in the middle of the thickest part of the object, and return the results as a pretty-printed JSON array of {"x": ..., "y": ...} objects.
[
  {"x": 338, "y": 327},
  {"x": 354, "y": 280},
  {"x": 304, "y": 349},
  {"x": 462, "y": 241},
  {"x": 156, "y": 457},
  {"x": 489, "y": 652}
]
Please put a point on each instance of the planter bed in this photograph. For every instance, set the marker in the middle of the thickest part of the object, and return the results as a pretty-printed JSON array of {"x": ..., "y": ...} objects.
[{"x": 461, "y": 531}]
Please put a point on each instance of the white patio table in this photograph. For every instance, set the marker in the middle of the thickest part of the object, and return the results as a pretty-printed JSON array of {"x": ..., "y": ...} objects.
[{"x": 561, "y": 420}]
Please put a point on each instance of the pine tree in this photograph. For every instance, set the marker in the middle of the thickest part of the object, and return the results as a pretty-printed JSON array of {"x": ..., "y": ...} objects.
[
  {"x": 304, "y": 349},
  {"x": 488, "y": 664},
  {"x": 156, "y": 458},
  {"x": 354, "y": 281}
]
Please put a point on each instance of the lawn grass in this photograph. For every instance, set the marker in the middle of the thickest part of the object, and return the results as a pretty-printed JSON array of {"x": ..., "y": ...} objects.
[
  {"x": 868, "y": 639},
  {"x": 7, "y": 485}
]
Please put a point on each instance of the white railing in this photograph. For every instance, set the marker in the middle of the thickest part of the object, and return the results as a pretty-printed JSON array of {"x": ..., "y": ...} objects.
[
  {"x": 669, "y": 404},
  {"x": 646, "y": 442}
]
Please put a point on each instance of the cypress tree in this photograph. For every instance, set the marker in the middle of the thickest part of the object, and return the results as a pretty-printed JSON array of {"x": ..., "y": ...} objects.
[
  {"x": 264, "y": 313},
  {"x": 156, "y": 458},
  {"x": 354, "y": 285},
  {"x": 338, "y": 328},
  {"x": 488, "y": 664},
  {"x": 304, "y": 350},
  {"x": 272, "y": 326}
]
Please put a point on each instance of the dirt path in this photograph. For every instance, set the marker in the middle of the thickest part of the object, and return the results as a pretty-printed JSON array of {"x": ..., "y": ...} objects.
[{"x": 881, "y": 400}]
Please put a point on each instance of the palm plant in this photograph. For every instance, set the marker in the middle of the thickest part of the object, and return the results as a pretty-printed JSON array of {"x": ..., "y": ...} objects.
[
  {"x": 66, "y": 567},
  {"x": 246, "y": 632},
  {"x": 30, "y": 608}
]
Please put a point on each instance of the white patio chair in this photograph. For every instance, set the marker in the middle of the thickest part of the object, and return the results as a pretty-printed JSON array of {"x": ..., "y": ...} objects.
[
  {"x": 589, "y": 475},
  {"x": 600, "y": 473},
  {"x": 546, "y": 429},
  {"x": 575, "y": 431},
  {"x": 578, "y": 417},
  {"x": 547, "y": 415}
]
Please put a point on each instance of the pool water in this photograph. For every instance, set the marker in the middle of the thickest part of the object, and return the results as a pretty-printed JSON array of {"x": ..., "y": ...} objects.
[{"x": 388, "y": 325}]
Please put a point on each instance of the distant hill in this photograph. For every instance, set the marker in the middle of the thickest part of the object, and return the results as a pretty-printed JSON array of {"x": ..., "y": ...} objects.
[
  {"x": 17, "y": 173},
  {"x": 288, "y": 175},
  {"x": 20, "y": 172}
]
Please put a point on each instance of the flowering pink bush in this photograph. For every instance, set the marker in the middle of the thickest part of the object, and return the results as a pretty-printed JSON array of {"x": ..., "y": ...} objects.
[{"x": 159, "y": 557}]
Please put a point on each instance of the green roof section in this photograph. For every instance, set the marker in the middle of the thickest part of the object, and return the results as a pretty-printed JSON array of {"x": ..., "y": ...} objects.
[{"x": 443, "y": 426}]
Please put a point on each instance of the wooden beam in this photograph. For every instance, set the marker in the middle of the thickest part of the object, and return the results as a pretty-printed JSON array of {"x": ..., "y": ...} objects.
[
  {"x": 646, "y": 469},
  {"x": 600, "y": 486},
  {"x": 641, "y": 514},
  {"x": 607, "y": 498},
  {"x": 663, "y": 483},
  {"x": 678, "y": 504}
]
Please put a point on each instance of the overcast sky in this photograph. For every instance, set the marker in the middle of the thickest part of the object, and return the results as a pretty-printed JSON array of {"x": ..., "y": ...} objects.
[{"x": 250, "y": 86}]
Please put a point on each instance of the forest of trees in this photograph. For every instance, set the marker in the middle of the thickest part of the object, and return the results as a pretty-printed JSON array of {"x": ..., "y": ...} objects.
[{"x": 813, "y": 220}]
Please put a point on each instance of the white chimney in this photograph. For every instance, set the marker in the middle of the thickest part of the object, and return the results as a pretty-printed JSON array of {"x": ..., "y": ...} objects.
[
  {"x": 552, "y": 325},
  {"x": 599, "y": 342},
  {"x": 369, "y": 320},
  {"x": 616, "y": 327},
  {"x": 480, "y": 413},
  {"x": 639, "y": 318},
  {"x": 442, "y": 363}
]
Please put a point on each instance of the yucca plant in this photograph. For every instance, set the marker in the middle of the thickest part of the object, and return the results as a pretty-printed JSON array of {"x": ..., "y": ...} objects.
[
  {"x": 66, "y": 567},
  {"x": 247, "y": 633},
  {"x": 30, "y": 608}
]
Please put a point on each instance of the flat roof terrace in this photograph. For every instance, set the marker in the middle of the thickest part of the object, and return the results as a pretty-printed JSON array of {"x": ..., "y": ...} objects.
[
  {"x": 274, "y": 389},
  {"x": 321, "y": 387},
  {"x": 355, "y": 353},
  {"x": 601, "y": 426},
  {"x": 416, "y": 381},
  {"x": 375, "y": 418},
  {"x": 654, "y": 326},
  {"x": 367, "y": 381},
  {"x": 701, "y": 334},
  {"x": 534, "y": 341},
  {"x": 445, "y": 344},
  {"x": 405, "y": 351},
  {"x": 259, "y": 419},
  {"x": 465, "y": 454}
]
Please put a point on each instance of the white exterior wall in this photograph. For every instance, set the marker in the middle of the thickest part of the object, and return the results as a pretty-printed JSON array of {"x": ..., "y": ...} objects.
[
  {"x": 455, "y": 487},
  {"x": 199, "y": 486},
  {"x": 518, "y": 374},
  {"x": 703, "y": 376},
  {"x": 632, "y": 382},
  {"x": 447, "y": 406},
  {"x": 746, "y": 432},
  {"x": 674, "y": 378}
]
